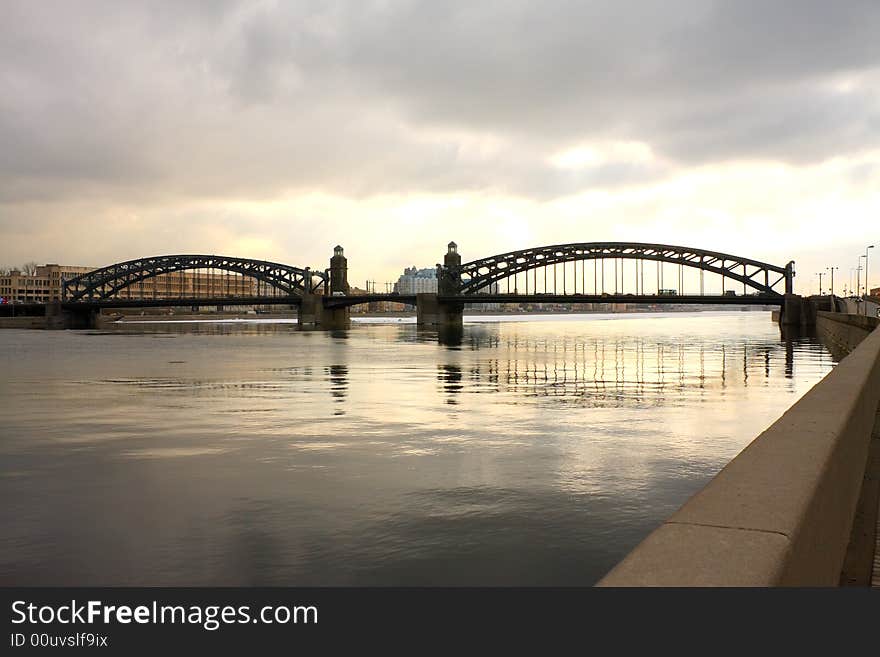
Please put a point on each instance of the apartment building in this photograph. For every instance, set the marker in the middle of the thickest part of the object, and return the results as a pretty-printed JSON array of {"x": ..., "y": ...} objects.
[
  {"x": 196, "y": 283},
  {"x": 40, "y": 286},
  {"x": 44, "y": 284},
  {"x": 417, "y": 281}
]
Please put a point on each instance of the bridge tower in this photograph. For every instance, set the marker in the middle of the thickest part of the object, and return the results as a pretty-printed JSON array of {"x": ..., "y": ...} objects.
[
  {"x": 449, "y": 274},
  {"x": 313, "y": 313},
  {"x": 339, "y": 271},
  {"x": 433, "y": 309}
]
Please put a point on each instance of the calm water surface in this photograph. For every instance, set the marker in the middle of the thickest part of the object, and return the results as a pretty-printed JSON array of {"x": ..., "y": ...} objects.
[{"x": 535, "y": 452}]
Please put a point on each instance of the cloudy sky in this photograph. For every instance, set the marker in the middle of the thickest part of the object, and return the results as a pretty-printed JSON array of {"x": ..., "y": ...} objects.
[{"x": 277, "y": 129}]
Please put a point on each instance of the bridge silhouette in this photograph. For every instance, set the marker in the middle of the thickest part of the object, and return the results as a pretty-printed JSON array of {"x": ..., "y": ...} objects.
[{"x": 547, "y": 274}]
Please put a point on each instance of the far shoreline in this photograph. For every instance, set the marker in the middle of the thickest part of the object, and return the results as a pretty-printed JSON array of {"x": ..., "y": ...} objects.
[{"x": 227, "y": 317}]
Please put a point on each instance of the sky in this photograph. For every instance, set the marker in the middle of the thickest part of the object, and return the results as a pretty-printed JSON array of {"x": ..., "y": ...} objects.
[{"x": 276, "y": 130}]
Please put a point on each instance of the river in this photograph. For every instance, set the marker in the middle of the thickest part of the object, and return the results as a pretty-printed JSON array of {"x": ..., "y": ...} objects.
[{"x": 536, "y": 452}]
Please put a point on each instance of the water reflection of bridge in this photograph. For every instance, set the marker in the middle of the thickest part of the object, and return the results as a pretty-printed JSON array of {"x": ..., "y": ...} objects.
[
  {"x": 598, "y": 371},
  {"x": 589, "y": 369}
]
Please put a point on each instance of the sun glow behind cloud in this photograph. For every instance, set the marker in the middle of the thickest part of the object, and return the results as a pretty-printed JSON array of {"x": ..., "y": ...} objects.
[{"x": 593, "y": 155}]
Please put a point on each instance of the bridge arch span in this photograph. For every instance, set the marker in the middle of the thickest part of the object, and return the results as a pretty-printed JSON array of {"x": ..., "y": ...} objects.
[
  {"x": 106, "y": 282},
  {"x": 762, "y": 277}
]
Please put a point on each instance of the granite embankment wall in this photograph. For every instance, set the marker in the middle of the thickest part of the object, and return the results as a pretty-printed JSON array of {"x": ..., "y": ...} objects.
[
  {"x": 23, "y": 322},
  {"x": 781, "y": 512},
  {"x": 842, "y": 333},
  {"x": 43, "y": 322}
]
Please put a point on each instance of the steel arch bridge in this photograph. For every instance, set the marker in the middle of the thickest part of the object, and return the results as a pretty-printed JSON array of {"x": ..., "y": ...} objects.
[
  {"x": 764, "y": 278},
  {"x": 106, "y": 282}
]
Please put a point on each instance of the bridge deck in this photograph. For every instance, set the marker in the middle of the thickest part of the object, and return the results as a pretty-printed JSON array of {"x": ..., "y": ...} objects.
[
  {"x": 697, "y": 299},
  {"x": 649, "y": 299},
  {"x": 32, "y": 309},
  {"x": 184, "y": 302}
]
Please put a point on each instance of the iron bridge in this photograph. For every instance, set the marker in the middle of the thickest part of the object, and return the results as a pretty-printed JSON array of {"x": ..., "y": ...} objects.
[
  {"x": 106, "y": 282},
  {"x": 763, "y": 278}
]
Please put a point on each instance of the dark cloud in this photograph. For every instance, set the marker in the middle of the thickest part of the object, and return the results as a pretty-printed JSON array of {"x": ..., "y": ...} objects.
[
  {"x": 676, "y": 74},
  {"x": 237, "y": 99}
]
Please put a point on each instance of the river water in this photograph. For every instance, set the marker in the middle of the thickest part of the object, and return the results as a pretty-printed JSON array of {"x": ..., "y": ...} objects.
[{"x": 536, "y": 452}]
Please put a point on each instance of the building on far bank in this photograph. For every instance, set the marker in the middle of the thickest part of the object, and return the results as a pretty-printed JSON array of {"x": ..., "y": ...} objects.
[
  {"x": 417, "y": 281},
  {"x": 196, "y": 283},
  {"x": 875, "y": 292},
  {"x": 374, "y": 306},
  {"x": 44, "y": 284},
  {"x": 492, "y": 288},
  {"x": 40, "y": 286}
]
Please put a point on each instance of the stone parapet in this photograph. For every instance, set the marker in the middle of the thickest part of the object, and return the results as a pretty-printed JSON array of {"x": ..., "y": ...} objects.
[{"x": 781, "y": 512}]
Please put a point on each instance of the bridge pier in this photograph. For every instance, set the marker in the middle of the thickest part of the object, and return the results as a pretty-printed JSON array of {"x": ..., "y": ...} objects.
[
  {"x": 311, "y": 310},
  {"x": 430, "y": 311},
  {"x": 58, "y": 318},
  {"x": 790, "y": 314},
  {"x": 313, "y": 314},
  {"x": 798, "y": 311}
]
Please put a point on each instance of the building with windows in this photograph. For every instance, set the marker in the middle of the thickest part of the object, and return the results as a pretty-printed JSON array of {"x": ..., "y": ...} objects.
[
  {"x": 44, "y": 284},
  {"x": 875, "y": 292},
  {"x": 197, "y": 284},
  {"x": 492, "y": 288},
  {"x": 417, "y": 281},
  {"x": 41, "y": 285}
]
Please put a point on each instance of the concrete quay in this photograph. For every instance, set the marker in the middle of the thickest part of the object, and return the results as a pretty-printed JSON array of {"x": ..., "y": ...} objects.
[{"x": 782, "y": 512}]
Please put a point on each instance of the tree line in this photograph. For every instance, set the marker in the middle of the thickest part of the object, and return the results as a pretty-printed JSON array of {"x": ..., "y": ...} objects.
[{"x": 28, "y": 269}]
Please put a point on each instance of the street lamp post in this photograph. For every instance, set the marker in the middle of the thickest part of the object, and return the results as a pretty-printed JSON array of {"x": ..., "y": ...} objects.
[
  {"x": 831, "y": 269},
  {"x": 870, "y": 246},
  {"x": 820, "y": 274}
]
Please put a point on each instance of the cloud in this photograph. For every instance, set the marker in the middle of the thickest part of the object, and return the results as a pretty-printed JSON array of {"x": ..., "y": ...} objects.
[
  {"x": 205, "y": 119},
  {"x": 250, "y": 99},
  {"x": 675, "y": 74}
]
